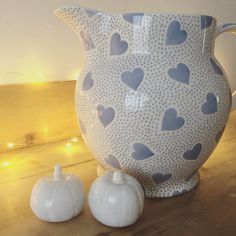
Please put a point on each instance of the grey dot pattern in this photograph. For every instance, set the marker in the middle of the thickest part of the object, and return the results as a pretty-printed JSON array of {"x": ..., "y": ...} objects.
[{"x": 139, "y": 113}]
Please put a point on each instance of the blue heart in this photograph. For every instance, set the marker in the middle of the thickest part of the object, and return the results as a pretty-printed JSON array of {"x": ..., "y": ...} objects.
[
  {"x": 134, "y": 18},
  {"x": 219, "y": 134},
  {"x": 106, "y": 115},
  {"x": 112, "y": 161},
  {"x": 206, "y": 21},
  {"x": 171, "y": 121},
  {"x": 174, "y": 34},
  {"x": 117, "y": 46},
  {"x": 210, "y": 106},
  {"x": 177, "y": 192},
  {"x": 133, "y": 79},
  {"x": 90, "y": 12},
  {"x": 193, "y": 153},
  {"x": 141, "y": 152},
  {"x": 217, "y": 70},
  {"x": 159, "y": 178},
  {"x": 88, "y": 82},
  {"x": 88, "y": 42},
  {"x": 181, "y": 73},
  {"x": 82, "y": 128}
]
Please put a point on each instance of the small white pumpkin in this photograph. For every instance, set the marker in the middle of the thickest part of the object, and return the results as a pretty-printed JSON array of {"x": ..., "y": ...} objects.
[
  {"x": 116, "y": 199},
  {"x": 57, "y": 198}
]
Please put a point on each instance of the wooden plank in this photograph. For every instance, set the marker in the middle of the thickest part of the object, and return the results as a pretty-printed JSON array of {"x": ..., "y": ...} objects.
[
  {"x": 39, "y": 160},
  {"x": 207, "y": 210},
  {"x": 33, "y": 114},
  {"x": 37, "y": 113}
]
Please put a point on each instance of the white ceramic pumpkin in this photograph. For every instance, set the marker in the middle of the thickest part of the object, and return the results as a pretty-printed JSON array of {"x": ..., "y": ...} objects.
[
  {"x": 57, "y": 198},
  {"x": 116, "y": 199}
]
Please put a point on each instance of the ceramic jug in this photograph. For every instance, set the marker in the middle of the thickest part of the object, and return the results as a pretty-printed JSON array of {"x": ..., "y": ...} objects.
[{"x": 151, "y": 100}]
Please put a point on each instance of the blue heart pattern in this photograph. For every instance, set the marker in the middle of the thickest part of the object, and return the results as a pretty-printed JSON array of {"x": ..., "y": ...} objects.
[
  {"x": 159, "y": 178},
  {"x": 206, "y": 21},
  {"x": 217, "y": 70},
  {"x": 117, "y": 46},
  {"x": 134, "y": 18},
  {"x": 133, "y": 79},
  {"x": 88, "y": 42},
  {"x": 181, "y": 73},
  {"x": 193, "y": 153},
  {"x": 171, "y": 121},
  {"x": 90, "y": 12},
  {"x": 179, "y": 192},
  {"x": 210, "y": 106},
  {"x": 175, "y": 35},
  {"x": 88, "y": 82},
  {"x": 112, "y": 161},
  {"x": 141, "y": 152},
  {"x": 106, "y": 115}
]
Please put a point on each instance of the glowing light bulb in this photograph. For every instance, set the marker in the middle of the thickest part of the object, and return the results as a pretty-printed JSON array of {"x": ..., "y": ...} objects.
[
  {"x": 39, "y": 79},
  {"x": 75, "y": 75},
  {"x": 45, "y": 130},
  {"x": 10, "y": 145},
  {"x": 68, "y": 145},
  {"x": 6, "y": 163},
  {"x": 75, "y": 140},
  {"x": 40, "y": 75}
]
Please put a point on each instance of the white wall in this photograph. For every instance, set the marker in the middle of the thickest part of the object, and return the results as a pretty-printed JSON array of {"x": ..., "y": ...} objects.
[{"x": 35, "y": 45}]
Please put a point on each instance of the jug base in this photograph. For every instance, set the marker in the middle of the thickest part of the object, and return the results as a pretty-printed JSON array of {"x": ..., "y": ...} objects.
[
  {"x": 167, "y": 189},
  {"x": 172, "y": 188}
]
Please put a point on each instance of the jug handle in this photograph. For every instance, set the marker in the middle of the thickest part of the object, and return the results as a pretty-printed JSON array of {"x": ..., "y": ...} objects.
[{"x": 228, "y": 27}]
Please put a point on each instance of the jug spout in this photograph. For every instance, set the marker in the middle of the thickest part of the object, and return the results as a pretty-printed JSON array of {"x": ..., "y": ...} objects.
[{"x": 76, "y": 17}]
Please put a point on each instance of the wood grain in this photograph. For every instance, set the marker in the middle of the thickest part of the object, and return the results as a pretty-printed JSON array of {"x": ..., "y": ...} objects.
[
  {"x": 33, "y": 114},
  {"x": 207, "y": 210}
]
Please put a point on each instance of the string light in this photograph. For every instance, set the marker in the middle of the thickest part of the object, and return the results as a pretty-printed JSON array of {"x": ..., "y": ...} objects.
[
  {"x": 75, "y": 75},
  {"x": 75, "y": 140},
  {"x": 68, "y": 145},
  {"x": 39, "y": 79},
  {"x": 10, "y": 145},
  {"x": 71, "y": 146},
  {"x": 6, "y": 163},
  {"x": 45, "y": 130}
]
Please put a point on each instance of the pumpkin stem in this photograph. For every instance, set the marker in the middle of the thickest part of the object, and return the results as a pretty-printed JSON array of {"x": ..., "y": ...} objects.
[
  {"x": 118, "y": 177},
  {"x": 57, "y": 176}
]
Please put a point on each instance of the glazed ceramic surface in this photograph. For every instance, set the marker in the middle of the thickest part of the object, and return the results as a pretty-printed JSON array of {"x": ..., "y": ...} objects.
[
  {"x": 57, "y": 198},
  {"x": 152, "y": 100},
  {"x": 116, "y": 200}
]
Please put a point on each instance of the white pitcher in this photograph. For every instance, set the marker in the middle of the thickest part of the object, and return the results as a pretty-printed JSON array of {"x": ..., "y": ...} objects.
[{"x": 152, "y": 100}]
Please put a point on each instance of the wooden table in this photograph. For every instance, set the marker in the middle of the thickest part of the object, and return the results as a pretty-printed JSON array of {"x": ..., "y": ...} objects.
[{"x": 210, "y": 209}]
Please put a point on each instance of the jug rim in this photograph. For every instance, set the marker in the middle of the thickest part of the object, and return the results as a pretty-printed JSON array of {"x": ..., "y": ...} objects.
[{"x": 138, "y": 12}]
